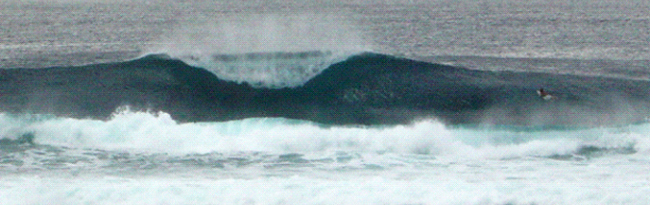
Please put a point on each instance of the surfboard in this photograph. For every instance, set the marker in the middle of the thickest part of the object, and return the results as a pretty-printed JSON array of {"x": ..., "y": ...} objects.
[{"x": 545, "y": 95}]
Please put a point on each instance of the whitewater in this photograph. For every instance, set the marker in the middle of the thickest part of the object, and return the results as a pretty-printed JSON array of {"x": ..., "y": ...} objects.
[
  {"x": 148, "y": 158},
  {"x": 291, "y": 102}
]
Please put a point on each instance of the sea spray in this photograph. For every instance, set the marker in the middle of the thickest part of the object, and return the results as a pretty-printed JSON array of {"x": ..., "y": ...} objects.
[{"x": 324, "y": 39}]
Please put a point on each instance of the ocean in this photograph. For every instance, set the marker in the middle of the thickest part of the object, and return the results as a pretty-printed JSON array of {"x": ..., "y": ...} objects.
[{"x": 324, "y": 102}]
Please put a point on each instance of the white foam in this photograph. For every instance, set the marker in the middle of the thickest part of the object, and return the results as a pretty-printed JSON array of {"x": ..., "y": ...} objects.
[
  {"x": 504, "y": 183},
  {"x": 140, "y": 131}
]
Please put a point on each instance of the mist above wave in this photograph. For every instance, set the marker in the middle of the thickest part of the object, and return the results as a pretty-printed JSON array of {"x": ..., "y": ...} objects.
[{"x": 271, "y": 50}]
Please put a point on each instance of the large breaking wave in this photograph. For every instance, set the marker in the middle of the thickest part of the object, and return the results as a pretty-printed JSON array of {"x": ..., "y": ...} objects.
[{"x": 366, "y": 88}]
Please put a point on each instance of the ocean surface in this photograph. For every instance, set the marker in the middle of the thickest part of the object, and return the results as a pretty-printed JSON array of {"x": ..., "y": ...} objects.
[{"x": 324, "y": 102}]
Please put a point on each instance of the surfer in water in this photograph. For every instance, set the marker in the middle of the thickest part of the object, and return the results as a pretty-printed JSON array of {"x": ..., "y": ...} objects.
[{"x": 544, "y": 95}]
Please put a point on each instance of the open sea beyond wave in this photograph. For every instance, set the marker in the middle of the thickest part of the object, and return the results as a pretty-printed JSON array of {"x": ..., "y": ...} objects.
[{"x": 260, "y": 107}]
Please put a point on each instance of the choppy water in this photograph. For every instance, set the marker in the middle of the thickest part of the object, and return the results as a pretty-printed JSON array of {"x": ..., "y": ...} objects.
[{"x": 365, "y": 102}]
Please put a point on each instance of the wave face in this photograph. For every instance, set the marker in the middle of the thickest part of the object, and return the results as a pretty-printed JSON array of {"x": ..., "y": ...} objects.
[{"x": 366, "y": 88}]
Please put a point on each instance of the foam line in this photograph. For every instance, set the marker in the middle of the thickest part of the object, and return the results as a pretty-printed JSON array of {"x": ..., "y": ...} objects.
[{"x": 158, "y": 133}]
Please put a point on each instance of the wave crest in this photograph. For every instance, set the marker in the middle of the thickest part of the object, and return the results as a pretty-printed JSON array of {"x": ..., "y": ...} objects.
[{"x": 267, "y": 69}]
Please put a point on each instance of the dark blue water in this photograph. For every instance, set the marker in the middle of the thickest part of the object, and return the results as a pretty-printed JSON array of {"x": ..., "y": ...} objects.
[
  {"x": 271, "y": 102},
  {"x": 366, "y": 88}
]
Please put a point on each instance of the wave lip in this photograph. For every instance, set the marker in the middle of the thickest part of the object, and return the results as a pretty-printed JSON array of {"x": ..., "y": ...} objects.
[{"x": 267, "y": 69}]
